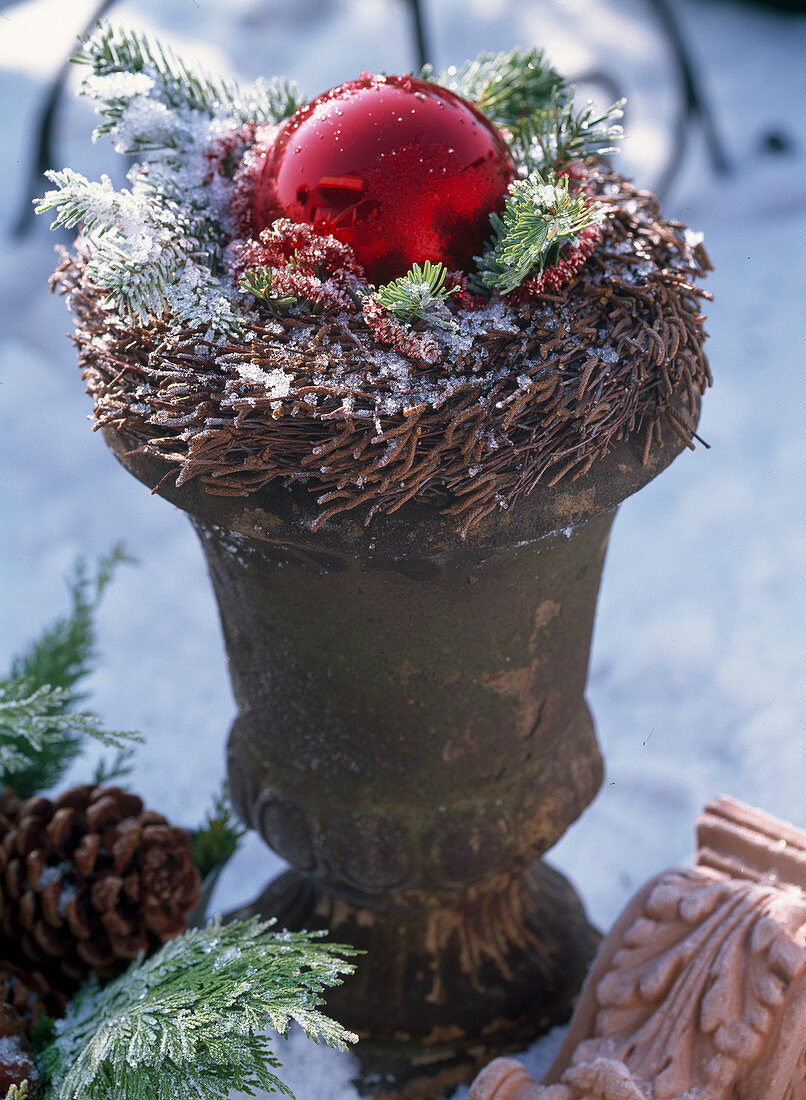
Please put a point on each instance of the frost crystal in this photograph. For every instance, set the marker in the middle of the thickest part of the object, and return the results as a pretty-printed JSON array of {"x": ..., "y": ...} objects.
[{"x": 276, "y": 383}]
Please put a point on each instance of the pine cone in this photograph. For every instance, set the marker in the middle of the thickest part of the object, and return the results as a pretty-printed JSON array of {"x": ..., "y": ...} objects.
[
  {"x": 90, "y": 880},
  {"x": 9, "y": 810},
  {"x": 30, "y": 994},
  {"x": 25, "y": 996},
  {"x": 16, "y": 1060}
]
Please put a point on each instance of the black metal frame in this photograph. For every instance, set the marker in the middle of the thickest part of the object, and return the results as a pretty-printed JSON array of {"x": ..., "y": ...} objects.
[
  {"x": 43, "y": 158},
  {"x": 694, "y": 107}
]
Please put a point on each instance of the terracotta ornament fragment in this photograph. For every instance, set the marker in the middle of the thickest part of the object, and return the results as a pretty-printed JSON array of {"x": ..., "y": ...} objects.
[{"x": 699, "y": 990}]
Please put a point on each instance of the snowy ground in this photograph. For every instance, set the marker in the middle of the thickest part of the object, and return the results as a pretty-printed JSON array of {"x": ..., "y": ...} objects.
[{"x": 698, "y": 676}]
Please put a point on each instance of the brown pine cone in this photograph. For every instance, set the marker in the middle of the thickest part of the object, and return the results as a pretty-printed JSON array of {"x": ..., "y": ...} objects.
[
  {"x": 9, "y": 810},
  {"x": 16, "y": 1060},
  {"x": 90, "y": 880},
  {"x": 30, "y": 994}
]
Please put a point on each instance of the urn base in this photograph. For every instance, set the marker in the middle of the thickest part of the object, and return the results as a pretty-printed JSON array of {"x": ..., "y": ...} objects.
[{"x": 448, "y": 986}]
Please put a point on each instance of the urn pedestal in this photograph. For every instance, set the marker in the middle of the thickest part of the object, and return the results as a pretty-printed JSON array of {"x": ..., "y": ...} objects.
[{"x": 412, "y": 737}]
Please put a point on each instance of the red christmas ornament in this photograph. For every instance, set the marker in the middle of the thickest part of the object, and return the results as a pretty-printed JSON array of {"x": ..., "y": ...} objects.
[{"x": 402, "y": 170}]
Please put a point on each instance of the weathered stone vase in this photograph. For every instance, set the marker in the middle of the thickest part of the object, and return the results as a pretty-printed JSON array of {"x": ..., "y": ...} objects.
[{"x": 412, "y": 737}]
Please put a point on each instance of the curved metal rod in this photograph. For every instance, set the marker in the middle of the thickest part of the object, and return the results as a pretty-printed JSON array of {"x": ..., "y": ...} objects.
[
  {"x": 43, "y": 153},
  {"x": 604, "y": 81},
  {"x": 418, "y": 27},
  {"x": 693, "y": 106}
]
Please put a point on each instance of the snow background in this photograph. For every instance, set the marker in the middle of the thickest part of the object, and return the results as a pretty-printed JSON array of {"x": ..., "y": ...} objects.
[{"x": 698, "y": 677}]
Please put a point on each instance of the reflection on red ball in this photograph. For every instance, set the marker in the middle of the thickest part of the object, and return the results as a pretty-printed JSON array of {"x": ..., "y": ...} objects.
[{"x": 402, "y": 170}]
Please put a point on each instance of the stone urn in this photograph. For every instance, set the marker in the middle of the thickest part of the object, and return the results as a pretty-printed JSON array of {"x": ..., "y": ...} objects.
[{"x": 412, "y": 737}]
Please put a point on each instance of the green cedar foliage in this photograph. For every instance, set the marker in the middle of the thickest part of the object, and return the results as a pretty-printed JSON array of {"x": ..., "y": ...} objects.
[
  {"x": 418, "y": 295},
  {"x": 218, "y": 838},
  {"x": 119, "y": 767},
  {"x": 41, "y": 728},
  {"x": 188, "y": 1023},
  {"x": 540, "y": 217}
]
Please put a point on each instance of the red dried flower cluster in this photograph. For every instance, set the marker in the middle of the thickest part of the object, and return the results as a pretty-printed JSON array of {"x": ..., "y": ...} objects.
[
  {"x": 387, "y": 330},
  {"x": 303, "y": 264},
  {"x": 572, "y": 258}
]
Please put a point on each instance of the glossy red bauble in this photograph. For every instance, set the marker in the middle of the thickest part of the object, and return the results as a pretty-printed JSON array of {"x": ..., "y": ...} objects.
[{"x": 400, "y": 169}]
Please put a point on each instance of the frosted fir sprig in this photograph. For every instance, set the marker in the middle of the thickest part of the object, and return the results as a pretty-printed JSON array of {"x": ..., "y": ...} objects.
[
  {"x": 188, "y": 1023},
  {"x": 17, "y": 1092},
  {"x": 419, "y": 295},
  {"x": 506, "y": 87},
  {"x": 526, "y": 96},
  {"x": 556, "y": 133},
  {"x": 160, "y": 244},
  {"x": 132, "y": 74},
  {"x": 541, "y": 216},
  {"x": 146, "y": 251}
]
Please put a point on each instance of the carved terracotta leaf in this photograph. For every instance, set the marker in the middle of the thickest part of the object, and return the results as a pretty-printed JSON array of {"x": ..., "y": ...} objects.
[{"x": 716, "y": 958}]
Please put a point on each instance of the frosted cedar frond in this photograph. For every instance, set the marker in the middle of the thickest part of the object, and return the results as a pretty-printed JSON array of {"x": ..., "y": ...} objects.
[
  {"x": 42, "y": 725},
  {"x": 189, "y": 1022}
]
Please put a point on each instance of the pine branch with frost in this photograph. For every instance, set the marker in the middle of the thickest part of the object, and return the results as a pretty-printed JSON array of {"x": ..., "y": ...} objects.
[
  {"x": 98, "y": 206},
  {"x": 555, "y": 133},
  {"x": 147, "y": 250},
  {"x": 419, "y": 295},
  {"x": 506, "y": 87},
  {"x": 540, "y": 218},
  {"x": 188, "y": 1023},
  {"x": 145, "y": 93},
  {"x": 160, "y": 244}
]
